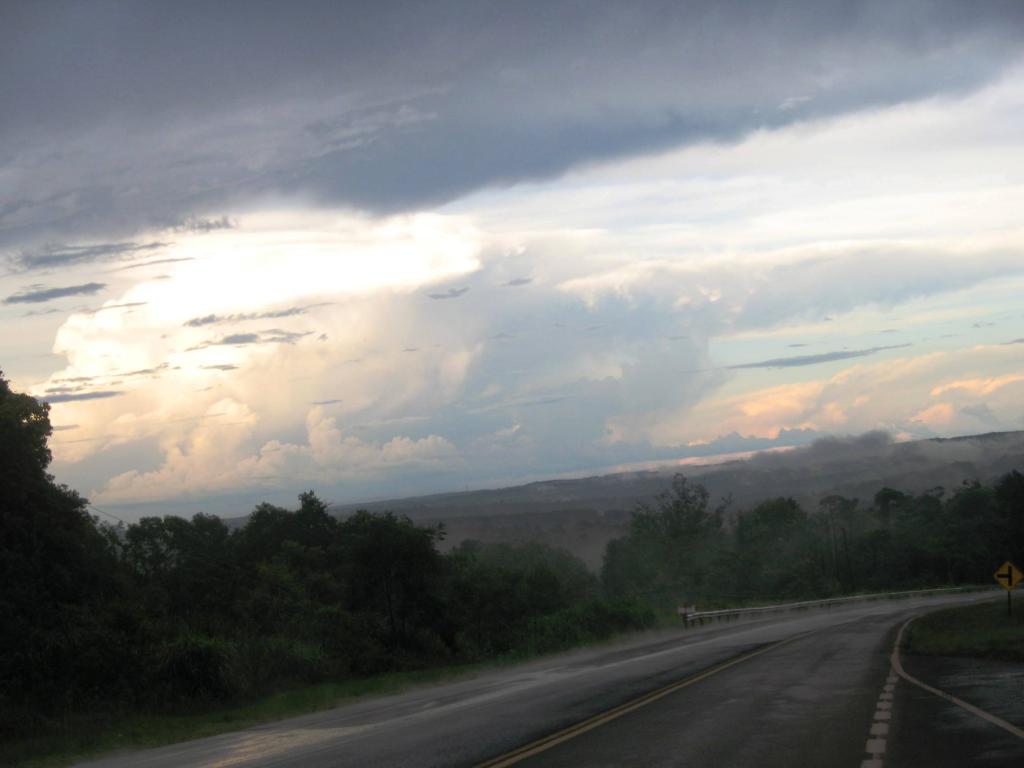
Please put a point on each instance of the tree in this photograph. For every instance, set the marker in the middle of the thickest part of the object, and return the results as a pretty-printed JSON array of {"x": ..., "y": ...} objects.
[
  {"x": 1009, "y": 493},
  {"x": 55, "y": 568},
  {"x": 775, "y": 550},
  {"x": 680, "y": 541},
  {"x": 392, "y": 573}
]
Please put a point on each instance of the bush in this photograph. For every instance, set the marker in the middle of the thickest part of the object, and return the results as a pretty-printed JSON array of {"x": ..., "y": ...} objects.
[
  {"x": 193, "y": 668},
  {"x": 588, "y": 622}
]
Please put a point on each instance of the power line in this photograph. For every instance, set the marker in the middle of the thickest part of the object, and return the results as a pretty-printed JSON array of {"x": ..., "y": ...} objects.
[{"x": 112, "y": 516}]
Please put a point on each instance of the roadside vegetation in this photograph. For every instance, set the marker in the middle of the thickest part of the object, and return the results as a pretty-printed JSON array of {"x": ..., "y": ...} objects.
[
  {"x": 171, "y": 628},
  {"x": 980, "y": 631}
]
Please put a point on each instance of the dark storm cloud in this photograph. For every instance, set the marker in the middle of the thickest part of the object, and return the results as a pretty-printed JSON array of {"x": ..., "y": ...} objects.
[
  {"x": 39, "y": 294},
  {"x": 824, "y": 357},
  {"x": 517, "y": 282},
  {"x": 1015, "y": 341},
  {"x": 327, "y": 402},
  {"x": 399, "y": 106}
]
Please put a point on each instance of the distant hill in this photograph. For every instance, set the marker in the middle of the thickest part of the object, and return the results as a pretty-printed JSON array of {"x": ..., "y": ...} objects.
[{"x": 583, "y": 514}]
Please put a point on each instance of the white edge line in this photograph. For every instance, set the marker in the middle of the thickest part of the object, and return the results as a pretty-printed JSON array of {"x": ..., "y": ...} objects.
[{"x": 898, "y": 666}]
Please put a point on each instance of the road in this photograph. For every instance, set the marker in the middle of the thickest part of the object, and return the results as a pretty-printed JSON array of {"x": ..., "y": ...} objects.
[{"x": 800, "y": 689}]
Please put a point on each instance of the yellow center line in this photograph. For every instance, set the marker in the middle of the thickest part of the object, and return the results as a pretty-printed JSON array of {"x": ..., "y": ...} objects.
[{"x": 547, "y": 742}]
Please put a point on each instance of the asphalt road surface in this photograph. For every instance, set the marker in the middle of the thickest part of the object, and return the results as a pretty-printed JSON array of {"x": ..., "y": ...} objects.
[{"x": 801, "y": 689}]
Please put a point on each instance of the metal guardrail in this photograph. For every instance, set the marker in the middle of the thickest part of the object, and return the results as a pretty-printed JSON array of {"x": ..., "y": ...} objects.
[{"x": 689, "y": 614}]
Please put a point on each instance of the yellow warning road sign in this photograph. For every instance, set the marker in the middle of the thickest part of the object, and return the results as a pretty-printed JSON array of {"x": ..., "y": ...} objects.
[{"x": 1008, "y": 575}]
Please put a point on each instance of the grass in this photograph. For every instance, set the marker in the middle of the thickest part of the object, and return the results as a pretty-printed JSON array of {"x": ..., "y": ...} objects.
[
  {"x": 83, "y": 737},
  {"x": 982, "y": 631}
]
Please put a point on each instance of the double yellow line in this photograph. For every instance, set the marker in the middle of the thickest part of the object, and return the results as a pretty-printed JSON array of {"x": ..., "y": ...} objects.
[{"x": 552, "y": 740}]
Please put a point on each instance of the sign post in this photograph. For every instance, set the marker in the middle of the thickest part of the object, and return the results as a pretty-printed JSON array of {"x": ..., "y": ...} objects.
[{"x": 1008, "y": 576}]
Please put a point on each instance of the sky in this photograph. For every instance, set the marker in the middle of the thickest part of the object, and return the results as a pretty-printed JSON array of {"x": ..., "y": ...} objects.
[{"x": 387, "y": 249}]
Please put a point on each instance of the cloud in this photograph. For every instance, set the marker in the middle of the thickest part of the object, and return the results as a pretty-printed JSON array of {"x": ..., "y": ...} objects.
[
  {"x": 687, "y": 260},
  {"x": 896, "y": 395},
  {"x": 936, "y": 416},
  {"x": 527, "y": 402},
  {"x": 198, "y": 322},
  {"x": 980, "y": 386},
  {"x": 517, "y": 282},
  {"x": 272, "y": 336},
  {"x": 39, "y": 294},
  {"x": 68, "y": 255},
  {"x": 203, "y": 225},
  {"x": 145, "y": 371},
  {"x": 124, "y": 305},
  {"x": 732, "y": 294},
  {"x": 73, "y": 396},
  {"x": 824, "y": 357},
  {"x": 152, "y": 131},
  {"x": 214, "y": 457},
  {"x": 154, "y": 262},
  {"x": 982, "y": 413},
  {"x": 238, "y": 338},
  {"x": 451, "y": 293}
]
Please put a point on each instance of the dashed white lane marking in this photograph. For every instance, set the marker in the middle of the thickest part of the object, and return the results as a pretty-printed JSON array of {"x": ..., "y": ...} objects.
[{"x": 875, "y": 745}]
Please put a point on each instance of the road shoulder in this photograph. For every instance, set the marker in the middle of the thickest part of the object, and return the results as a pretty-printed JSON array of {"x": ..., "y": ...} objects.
[{"x": 931, "y": 730}]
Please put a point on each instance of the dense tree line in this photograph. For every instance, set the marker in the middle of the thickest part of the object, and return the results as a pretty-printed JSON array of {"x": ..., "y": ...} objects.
[
  {"x": 680, "y": 549},
  {"x": 171, "y": 614}
]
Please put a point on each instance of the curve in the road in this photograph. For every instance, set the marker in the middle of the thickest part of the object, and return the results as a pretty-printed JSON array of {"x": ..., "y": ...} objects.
[{"x": 897, "y": 665}]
